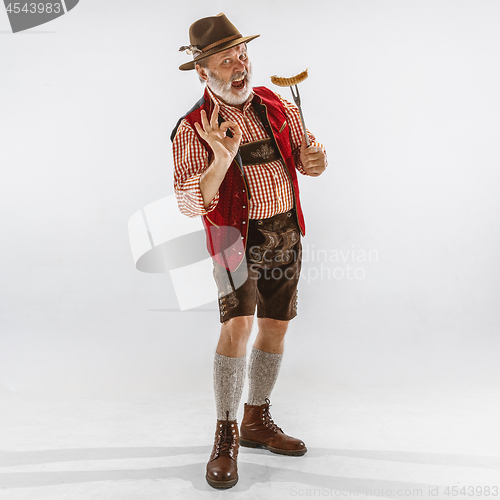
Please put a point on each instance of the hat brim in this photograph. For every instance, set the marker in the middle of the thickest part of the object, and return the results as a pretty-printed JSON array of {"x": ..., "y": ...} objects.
[{"x": 223, "y": 46}]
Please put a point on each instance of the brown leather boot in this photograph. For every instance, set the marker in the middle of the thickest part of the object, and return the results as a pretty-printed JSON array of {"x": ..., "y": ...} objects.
[
  {"x": 222, "y": 470},
  {"x": 258, "y": 429}
]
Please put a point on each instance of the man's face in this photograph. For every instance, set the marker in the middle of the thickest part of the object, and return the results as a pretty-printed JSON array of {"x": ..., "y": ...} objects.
[{"x": 229, "y": 74}]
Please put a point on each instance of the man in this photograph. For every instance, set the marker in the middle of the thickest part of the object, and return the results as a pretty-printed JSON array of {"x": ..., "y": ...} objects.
[{"x": 236, "y": 154}]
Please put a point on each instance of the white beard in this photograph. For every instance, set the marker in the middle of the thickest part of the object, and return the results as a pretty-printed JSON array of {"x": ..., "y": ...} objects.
[{"x": 226, "y": 92}]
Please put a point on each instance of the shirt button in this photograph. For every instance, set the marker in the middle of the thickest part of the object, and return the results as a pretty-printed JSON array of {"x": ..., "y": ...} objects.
[
  {"x": 244, "y": 222},
  {"x": 244, "y": 206}
]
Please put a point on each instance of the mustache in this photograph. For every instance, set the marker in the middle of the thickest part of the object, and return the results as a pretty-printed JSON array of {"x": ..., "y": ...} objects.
[{"x": 243, "y": 74}]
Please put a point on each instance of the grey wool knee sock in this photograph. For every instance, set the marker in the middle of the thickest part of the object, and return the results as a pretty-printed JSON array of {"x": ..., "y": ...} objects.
[
  {"x": 229, "y": 377},
  {"x": 263, "y": 369}
]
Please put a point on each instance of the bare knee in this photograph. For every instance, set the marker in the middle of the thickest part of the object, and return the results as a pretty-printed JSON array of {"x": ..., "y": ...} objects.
[
  {"x": 273, "y": 327},
  {"x": 234, "y": 336},
  {"x": 271, "y": 336}
]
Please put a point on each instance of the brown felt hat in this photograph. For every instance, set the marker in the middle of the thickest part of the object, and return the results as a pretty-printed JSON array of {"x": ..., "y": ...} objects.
[{"x": 210, "y": 35}]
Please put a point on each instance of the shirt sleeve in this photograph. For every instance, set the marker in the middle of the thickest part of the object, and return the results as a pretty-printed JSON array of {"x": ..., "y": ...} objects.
[
  {"x": 190, "y": 161},
  {"x": 296, "y": 133}
]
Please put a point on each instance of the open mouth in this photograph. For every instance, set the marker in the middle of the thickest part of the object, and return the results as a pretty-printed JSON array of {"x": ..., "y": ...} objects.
[{"x": 238, "y": 84}]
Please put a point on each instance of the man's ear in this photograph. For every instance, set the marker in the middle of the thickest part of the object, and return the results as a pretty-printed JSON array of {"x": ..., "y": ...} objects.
[{"x": 202, "y": 72}]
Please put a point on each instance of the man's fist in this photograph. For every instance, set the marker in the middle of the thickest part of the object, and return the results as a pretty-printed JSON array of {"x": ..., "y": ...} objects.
[{"x": 312, "y": 158}]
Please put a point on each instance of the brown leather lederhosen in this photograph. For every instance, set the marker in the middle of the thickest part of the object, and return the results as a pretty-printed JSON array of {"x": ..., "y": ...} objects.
[{"x": 273, "y": 257}]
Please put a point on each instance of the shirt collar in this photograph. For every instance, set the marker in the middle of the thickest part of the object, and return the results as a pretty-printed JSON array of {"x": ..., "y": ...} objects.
[{"x": 223, "y": 105}]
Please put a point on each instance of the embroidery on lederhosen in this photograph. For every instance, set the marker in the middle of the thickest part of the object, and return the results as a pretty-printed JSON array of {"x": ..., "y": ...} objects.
[
  {"x": 264, "y": 152},
  {"x": 258, "y": 152},
  {"x": 295, "y": 301},
  {"x": 290, "y": 238},
  {"x": 227, "y": 299},
  {"x": 277, "y": 248},
  {"x": 258, "y": 252}
]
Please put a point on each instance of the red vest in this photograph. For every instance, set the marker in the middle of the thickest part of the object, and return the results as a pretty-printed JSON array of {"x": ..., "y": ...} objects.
[{"x": 227, "y": 225}]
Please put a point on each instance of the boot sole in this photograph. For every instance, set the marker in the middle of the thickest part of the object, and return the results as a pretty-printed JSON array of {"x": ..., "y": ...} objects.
[
  {"x": 221, "y": 484},
  {"x": 255, "y": 444}
]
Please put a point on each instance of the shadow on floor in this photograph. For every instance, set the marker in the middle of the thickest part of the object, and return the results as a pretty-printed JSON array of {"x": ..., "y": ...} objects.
[{"x": 250, "y": 473}]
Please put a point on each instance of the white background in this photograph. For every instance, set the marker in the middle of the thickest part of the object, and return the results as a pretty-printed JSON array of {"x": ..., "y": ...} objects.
[{"x": 404, "y": 94}]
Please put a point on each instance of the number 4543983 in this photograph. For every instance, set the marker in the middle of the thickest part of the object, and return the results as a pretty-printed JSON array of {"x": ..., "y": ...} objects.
[
  {"x": 34, "y": 8},
  {"x": 468, "y": 491}
]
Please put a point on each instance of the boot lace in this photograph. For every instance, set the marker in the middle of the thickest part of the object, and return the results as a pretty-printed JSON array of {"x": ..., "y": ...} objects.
[
  {"x": 268, "y": 420},
  {"x": 227, "y": 439}
]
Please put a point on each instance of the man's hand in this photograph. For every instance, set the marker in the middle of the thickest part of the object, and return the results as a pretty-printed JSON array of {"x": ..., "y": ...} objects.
[
  {"x": 312, "y": 158},
  {"x": 224, "y": 148}
]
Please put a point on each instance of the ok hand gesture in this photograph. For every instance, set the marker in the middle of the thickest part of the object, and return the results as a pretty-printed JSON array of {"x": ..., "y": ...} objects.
[{"x": 224, "y": 147}]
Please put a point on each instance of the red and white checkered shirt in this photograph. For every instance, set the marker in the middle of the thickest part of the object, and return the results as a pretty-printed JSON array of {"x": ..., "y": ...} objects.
[{"x": 269, "y": 184}]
